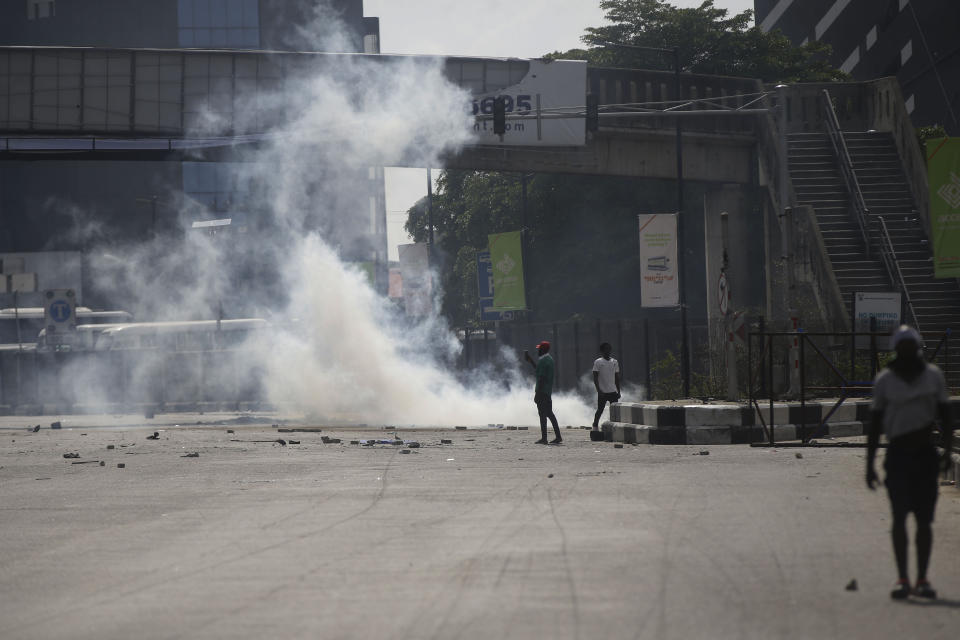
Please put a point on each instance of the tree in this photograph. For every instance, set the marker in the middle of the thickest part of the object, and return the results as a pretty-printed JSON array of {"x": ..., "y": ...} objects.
[
  {"x": 709, "y": 41},
  {"x": 581, "y": 230}
]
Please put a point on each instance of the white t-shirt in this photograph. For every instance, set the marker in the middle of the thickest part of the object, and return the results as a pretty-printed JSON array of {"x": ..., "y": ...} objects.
[
  {"x": 607, "y": 370},
  {"x": 909, "y": 407}
]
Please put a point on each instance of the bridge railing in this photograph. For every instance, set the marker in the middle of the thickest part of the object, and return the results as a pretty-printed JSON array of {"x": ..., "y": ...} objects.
[
  {"x": 644, "y": 86},
  {"x": 876, "y": 105}
]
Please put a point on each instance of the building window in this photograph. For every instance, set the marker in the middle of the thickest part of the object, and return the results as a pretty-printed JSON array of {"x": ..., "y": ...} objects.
[
  {"x": 37, "y": 9},
  {"x": 215, "y": 185},
  {"x": 219, "y": 24}
]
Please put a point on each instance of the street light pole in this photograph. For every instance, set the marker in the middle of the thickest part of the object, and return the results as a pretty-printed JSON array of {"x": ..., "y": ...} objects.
[{"x": 681, "y": 245}]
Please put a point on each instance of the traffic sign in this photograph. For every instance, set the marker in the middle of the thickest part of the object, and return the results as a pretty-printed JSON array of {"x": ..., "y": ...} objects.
[
  {"x": 723, "y": 294},
  {"x": 59, "y": 311}
]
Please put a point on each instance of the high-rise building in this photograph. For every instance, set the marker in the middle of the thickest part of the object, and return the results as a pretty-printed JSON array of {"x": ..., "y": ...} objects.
[
  {"x": 914, "y": 40},
  {"x": 77, "y": 203}
]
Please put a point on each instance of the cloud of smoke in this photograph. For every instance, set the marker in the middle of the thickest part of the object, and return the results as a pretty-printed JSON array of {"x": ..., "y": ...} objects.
[{"x": 336, "y": 349}]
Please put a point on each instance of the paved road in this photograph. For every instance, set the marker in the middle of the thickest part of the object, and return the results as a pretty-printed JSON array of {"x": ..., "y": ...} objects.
[{"x": 469, "y": 540}]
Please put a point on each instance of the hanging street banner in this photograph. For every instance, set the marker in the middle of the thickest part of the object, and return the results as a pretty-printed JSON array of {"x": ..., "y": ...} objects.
[
  {"x": 485, "y": 290},
  {"x": 659, "y": 286},
  {"x": 943, "y": 175},
  {"x": 506, "y": 256}
]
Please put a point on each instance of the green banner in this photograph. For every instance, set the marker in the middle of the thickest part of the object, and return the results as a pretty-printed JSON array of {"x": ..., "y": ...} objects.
[
  {"x": 506, "y": 257},
  {"x": 943, "y": 175}
]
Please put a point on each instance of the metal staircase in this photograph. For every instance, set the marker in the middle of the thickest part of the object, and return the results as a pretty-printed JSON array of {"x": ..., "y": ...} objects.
[
  {"x": 868, "y": 219},
  {"x": 817, "y": 181},
  {"x": 936, "y": 303}
]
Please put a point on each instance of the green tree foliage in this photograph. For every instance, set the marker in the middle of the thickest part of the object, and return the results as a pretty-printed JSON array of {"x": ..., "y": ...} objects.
[
  {"x": 709, "y": 41},
  {"x": 581, "y": 239}
]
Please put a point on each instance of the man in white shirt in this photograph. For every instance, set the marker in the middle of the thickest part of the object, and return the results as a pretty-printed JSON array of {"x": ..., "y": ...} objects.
[
  {"x": 909, "y": 395},
  {"x": 606, "y": 378}
]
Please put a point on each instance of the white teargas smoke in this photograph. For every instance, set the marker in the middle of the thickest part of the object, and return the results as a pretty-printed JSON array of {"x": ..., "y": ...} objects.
[
  {"x": 345, "y": 355},
  {"x": 336, "y": 349}
]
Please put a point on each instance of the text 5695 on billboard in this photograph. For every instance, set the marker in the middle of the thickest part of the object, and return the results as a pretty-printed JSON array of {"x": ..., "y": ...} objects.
[{"x": 520, "y": 104}]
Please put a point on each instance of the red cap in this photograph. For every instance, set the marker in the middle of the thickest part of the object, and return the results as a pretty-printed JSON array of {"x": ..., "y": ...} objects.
[{"x": 544, "y": 345}]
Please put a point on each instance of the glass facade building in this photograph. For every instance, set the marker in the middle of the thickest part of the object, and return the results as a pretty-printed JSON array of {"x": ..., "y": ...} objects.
[{"x": 218, "y": 24}]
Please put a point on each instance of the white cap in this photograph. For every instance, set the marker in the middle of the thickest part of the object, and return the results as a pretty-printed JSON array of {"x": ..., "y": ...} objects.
[{"x": 905, "y": 332}]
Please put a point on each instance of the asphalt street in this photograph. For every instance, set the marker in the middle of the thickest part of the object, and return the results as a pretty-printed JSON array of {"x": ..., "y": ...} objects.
[{"x": 490, "y": 536}]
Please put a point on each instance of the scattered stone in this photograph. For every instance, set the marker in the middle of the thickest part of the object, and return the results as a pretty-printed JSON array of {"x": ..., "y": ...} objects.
[
  {"x": 460, "y": 428},
  {"x": 354, "y": 442},
  {"x": 110, "y": 446},
  {"x": 519, "y": 458},
  {"x": 852, "y": 585},
  {"x": 281, "y": 442},
  {"x": 446, "y": 442},
  {"x": 36, "y": 428},
  {"x": 71, "y": 455},
  {"x": 86, "y": 462},
  {"x": 704, "y": 453},
  {"x": 102, "y": 463},
  {"x": 549, "y": 475},
  {"x": 413, "y": 445},
  {"x": 405, "y": 451},
  {"x": 618, "y": 446},
  {"x": 523, "y": 428},
  {"x": 120, "y": 465},
  {"x": 191, "y": 455},
  {"x": 230, "y": 431},
  {"x": 293, "y": 442},
  {"x": 83, "y": 434},
  {"x": 799, "y": 455},
  {"x": 511, "y": 428},
  {"x": 334, "y": 440},
  {"x": 155, "y": 436},
  {"x": 54, "y": 425}
]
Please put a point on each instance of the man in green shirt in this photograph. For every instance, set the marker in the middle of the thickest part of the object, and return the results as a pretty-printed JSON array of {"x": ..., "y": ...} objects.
[{"x": 544, "y": 369}]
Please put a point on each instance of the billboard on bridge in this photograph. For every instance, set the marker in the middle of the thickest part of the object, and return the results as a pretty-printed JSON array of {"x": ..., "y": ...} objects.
[{"x": 549, "y": 88}]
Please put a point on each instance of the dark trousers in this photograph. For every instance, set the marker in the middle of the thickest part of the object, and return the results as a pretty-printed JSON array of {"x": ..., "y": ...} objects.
[
  {"x": 602, "y": 400},
  {"x": 545, "y": 409}
]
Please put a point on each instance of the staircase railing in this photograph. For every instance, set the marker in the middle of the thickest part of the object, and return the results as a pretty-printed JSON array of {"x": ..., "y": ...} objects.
[
  {"x": 857, "y": 203},
  {"x": 889, "y": 257}
]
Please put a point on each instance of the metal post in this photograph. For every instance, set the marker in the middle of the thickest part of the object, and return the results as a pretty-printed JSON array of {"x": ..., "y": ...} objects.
[
  {"x": 430, "y": 207},
  {"x": 681, "y": 245},
  {"x": 763, "y": 379},
  {"x": 620, "y": 346},
  {"x": 853, "y": 338},
  {"x": 646, "y": 357},
  {"x": 556, "y": 348},
  {"x": 576, "y": 351},
  {"x": 770, "y": 371},
  {"x": 803, "y": 391}
]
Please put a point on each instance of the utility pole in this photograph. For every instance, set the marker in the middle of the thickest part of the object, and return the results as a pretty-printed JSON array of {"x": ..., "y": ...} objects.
[{"x": 681, "y": 245}]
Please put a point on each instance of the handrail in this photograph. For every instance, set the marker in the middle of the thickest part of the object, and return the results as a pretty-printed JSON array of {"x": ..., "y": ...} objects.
[
  {"x": 889, "y": 256},
  {"x": 846, "y": 168}
]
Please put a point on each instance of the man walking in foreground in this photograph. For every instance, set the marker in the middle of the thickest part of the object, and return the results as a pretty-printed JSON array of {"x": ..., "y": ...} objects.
[
  {"x": 544, "y": 369},
  {"x": 606, "y": 379},
  {"x": 908, "y": 395}
]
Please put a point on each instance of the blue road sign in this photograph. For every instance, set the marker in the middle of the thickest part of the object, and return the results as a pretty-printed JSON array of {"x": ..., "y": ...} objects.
[
  {"x": 485, "y": 290},
  {"x": 60, "y": 311}
]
